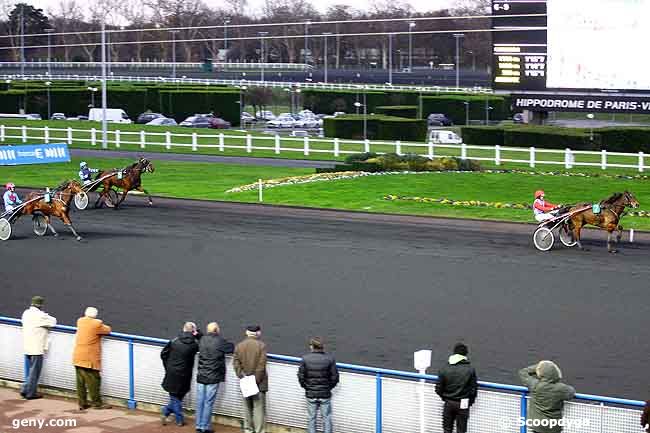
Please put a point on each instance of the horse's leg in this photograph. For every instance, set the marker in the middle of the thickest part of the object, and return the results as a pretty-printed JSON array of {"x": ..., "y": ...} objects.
[
  {"x": 119, "y": 202},
  {"x": 619, "y": 235},
  {"x": 66, "y": 221},
  {"x": 576, "y": 235},
  {"x": 609, "y": 242},
  {"x": 145, "y": 192},
  {"x": 50, "y": 226}
]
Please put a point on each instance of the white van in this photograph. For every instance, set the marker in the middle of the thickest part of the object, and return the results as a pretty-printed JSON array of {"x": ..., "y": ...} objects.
[
  {"x": 438, "y": 136},
  {"x": 114, "y": 115}
]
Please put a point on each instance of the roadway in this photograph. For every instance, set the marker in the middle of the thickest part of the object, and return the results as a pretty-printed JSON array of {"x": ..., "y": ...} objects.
[{"x": 376, "y": 287}]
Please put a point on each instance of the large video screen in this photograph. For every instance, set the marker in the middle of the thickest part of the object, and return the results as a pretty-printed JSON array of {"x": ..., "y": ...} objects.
[{"x": 578, "y": 44}]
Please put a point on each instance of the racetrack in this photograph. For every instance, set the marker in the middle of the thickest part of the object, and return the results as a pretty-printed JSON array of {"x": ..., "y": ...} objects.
[{"x": 377, "y": 287}]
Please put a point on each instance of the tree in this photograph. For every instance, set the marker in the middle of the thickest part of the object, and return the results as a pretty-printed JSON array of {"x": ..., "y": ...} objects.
[
  {"x": 259, "y": 97},
  {"x": 26, "y": 19}
]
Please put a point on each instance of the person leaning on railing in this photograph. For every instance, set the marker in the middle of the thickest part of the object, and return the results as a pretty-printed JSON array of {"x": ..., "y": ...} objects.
[
  {"x": 547, "y": 396},
  {"x": 87, "y": 358},
  {"x": 36, "y": 324}
]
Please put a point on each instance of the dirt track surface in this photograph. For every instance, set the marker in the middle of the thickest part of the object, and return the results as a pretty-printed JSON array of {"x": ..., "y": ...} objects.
[{"x": 376, "y": 287}]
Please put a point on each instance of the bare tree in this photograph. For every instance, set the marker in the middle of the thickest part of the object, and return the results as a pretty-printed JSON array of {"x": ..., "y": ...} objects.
[{"x": 137, "y": 14}]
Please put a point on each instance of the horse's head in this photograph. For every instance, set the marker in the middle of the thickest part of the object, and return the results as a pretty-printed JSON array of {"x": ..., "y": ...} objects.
[
  {"x": 145, "y": 165},
  {"x": 70, "y": 186},
  {"x": 629, "y": 200}
]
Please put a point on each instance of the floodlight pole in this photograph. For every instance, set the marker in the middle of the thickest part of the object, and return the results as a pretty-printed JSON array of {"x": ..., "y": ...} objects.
[
  {"x": 458, "y": 36},
  {"x": 104, "y": 123},
  {"x": 325, "y": 56},
  {"x": 390, "y": 59}
]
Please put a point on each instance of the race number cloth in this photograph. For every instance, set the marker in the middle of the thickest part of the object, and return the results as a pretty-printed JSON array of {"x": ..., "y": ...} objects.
[
  {"x": 595, "y": 208},
  {"x": 34, "y": 154}
]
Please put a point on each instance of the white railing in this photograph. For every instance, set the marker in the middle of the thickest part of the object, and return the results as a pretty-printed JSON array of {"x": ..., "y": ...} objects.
[
  {"x": 366, "y": 400},
  {"x": 209, "y": 81},
  {"x": 334, "y": 147},
  {"x": 161, "y": 65}
]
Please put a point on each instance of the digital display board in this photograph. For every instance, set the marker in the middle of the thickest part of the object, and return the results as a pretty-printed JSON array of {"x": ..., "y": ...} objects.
[{"x": 576, "y": 45}]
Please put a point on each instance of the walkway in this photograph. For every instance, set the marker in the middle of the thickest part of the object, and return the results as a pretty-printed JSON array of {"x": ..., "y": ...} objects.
[{"x": 54, "y": 410}]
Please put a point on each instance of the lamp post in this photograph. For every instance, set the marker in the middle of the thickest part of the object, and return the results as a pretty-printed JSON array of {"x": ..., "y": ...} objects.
[
  {"x": 473, "y": 60},
  {"x": 458, "y": 36},
  {"x": 487, "y": 111},
  {"x": 307, "y": 23},
  {"x": 104, "y": 121},
  {"x": 173, "y": 32},
  {"x": 325, "y": 35},
  {"x": 108, "y": 53},
  {"x": 390, "y": 59},
  {"x": 22, "y": 39},
  {"x": 359, "y": 104},
  {"x": 226, "y": 21},
  {"x": 241, "y": 101},
  {"x": 92, "y": 91},
  {"x": 411, "y": 25},
  {"x": 591, "y": 116},
  {"x": 262, "y": 54},
  {"x": 466, "y": 103},
  {"x": 49, "y": 49},
  {"x": 49, "y": 107}
]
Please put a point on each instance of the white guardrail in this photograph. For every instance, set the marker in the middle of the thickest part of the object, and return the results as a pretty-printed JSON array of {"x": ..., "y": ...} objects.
[
  {"x": 308, "y": 145},
  {"x": 366, "y": 400},
  {"x": 253, "y": 83}
]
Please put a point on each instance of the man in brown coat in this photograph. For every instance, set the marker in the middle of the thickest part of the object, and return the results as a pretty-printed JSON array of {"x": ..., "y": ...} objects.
[
  {"x": 250, "y": 359},
  {"x": 87, "y": 358}
]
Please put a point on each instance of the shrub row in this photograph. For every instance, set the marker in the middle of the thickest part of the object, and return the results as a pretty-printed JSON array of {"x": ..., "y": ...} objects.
[
  {"x": 372, "y": 163},
  {"x": 455, "y": 108},
  {"x": 531, "y": 136},
  {"x": 377, "y": 128},
  {"x": 406, "y": 111}
]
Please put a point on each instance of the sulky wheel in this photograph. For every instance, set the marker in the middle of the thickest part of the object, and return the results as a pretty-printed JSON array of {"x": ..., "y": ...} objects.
[
  {"x": 543, "y": 239},
  {"x": 566, "y": 237},
  {"x": 39, "y": 224},
  {"x": 81, "y": 200},
  {"x": 5, "y": 229}
]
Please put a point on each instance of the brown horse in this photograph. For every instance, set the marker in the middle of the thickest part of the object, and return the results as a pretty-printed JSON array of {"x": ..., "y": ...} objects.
[
  {"x": 58, "y": 206},
  {"x": 611, "y": 210},
  {"x": 130, "y": 180}
]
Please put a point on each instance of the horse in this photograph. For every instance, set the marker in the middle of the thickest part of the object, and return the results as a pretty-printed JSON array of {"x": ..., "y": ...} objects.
[
  {"x": 58, "y": 206},
  {"x": 611, "y": 210},
  {"x": 130, "y": 180}
]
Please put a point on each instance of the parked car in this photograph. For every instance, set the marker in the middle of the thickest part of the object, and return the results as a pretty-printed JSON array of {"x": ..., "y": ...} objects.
[
  {"x": 265, "y": 115},
  {"x": 80, "y": 117},
  {"x": 219, "y": 123},
  {"x": 247, "y": 118},
  {"x": 113, "y": 115},
  {"x": 312, "y": 122},
  {"x": 162, "y": 121},
  {"x": 285, "y": 121},
  {"x": 34, "y": 117},
  {"x": 438, "y": 119},
  {"x": 440, "y": 136},
  {"x": 148, "y": 117},
  {"x": 518, "y": 118},
  {"x": 338, "y": 113},
  {"x": 196, "y": 122},
  {"x": 299, "y": 133},
  {"x": 58, "y": 116}
]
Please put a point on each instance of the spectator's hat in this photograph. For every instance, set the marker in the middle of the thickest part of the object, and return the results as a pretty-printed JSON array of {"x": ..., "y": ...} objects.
[{"x": 38, "y": 301}]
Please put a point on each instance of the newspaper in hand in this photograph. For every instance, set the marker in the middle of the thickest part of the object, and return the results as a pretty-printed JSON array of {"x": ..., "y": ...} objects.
[{"x": 248, "y": 386}]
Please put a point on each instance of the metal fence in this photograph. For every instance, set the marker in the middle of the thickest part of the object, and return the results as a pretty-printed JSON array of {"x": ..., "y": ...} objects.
[
  {"x": 366, "y": 400},
  {"x": 161, "y": 65},
  {"x": 252, "y": 83},
  {"x": 335, "y": 147}
]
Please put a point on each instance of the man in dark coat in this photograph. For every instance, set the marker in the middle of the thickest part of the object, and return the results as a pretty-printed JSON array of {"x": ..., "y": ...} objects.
[
  {"x": 318, "y": 375},
  {"x": 211, "y": 371},
  {"x": 178, "y": 359},
  {"x": 457, "y": 387}
]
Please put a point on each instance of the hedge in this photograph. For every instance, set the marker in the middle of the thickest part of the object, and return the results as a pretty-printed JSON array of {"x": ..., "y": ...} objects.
[
  {"x": 406, "y": 111},
  {"x": 181, "y": 104},
  {"x": 624, "y": 139},
  {"x": 453, "y": 106},
  {"x": 530, "y": 136},
  {"x": 377, "y": 127}
]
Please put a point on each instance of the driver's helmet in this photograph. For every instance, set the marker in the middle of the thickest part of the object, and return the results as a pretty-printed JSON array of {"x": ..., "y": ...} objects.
[
  {"x": 539, "y": 193},
  {"x": 10, "y": 186},
  {"x": 82, "y": 164}
]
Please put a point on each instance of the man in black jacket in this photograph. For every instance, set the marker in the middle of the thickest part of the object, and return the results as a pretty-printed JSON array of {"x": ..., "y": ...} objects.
[
  {"x": 211, "y": 371},
  {"x": 458, "y": 387},
  {"x": 178, "y": 359},
  {"x": 318, "y": 375}
]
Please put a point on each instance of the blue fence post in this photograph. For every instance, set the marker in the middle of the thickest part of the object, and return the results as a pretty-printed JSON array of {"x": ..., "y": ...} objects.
[
  {"x": 26, "y": 367},
  {"x": 523, "y": 412},
  {"x": 378, "y": 409},
  {"x": 132, "y": 403}
]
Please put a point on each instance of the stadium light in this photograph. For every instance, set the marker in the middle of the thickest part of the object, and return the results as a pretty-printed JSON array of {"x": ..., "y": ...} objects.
[{"x": 411, "y": 26}]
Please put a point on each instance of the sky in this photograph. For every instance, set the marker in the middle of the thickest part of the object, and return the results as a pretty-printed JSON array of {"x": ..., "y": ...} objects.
[{"x": 321, "y": 5}]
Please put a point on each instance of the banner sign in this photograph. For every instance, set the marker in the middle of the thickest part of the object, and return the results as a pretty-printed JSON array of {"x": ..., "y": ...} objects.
[
  {"x": 581, "y": 103},
  {"x": 34, "y": 154}
]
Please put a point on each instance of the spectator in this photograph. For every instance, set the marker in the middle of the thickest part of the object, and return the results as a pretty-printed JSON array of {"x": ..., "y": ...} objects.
[
  {"x": 645, "y": 417},
  {"x": 35, "y": 333},
  {"x": 87, "y": 358},
  {"x": 457, "y": 387},
  {"x": 318, "y": 375},
  {"x": 178, "y": 359},
  {"x": 211, "y": 371},
  {"x": 250, "y": 359},
  {"x": 547, "y": 395}
]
